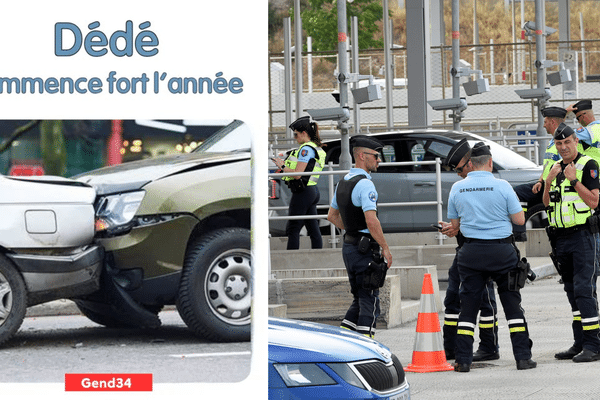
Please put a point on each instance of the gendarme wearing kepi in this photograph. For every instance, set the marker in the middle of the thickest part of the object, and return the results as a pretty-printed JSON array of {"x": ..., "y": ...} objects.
[
  {"x": 456, "y": 154},
  {"x": 365, "y": 141},
  {"x": 582, "y": 105},
  {"x": 354, "y": 209},
  {"x": 557, "y": 112},
  {"x": 563, "y": 131},
  {"x": 483, "y": 207},
  {"x": 570, "y": 197}
]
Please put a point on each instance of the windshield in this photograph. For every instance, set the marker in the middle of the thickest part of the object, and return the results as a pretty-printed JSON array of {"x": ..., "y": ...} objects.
[
  {"x": 505, "y": 158},
  {"x": 235, "y": 136}
]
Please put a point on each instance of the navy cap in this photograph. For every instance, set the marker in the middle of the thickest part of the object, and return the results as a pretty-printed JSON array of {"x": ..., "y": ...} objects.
[
  {"x": 582, "y": 105},
  {"x": 557, "y": 112},
  {"x": 563, "y": 131},
  {"x": 456, "y": 153},
  {"x": 301, "y": 124},
  {"x": 365, "y": 141},
  {"x": 481, "y": 149}
]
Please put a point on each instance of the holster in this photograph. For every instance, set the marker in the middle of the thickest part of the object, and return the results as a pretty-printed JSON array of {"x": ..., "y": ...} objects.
[
  {"x": 374, "y": 276},
  {"x": 555, "y": 262},
  {"x": 518, "y": 276},
  {"x": 593, "y": 224},
  {"x": 296, "y": 185}
]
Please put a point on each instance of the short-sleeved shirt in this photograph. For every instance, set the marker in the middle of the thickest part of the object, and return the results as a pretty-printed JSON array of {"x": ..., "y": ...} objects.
[
  {"x": 306, "y": 153},
  {"x": 364, "y": 194},
  {"x": 484, "y": 205}
]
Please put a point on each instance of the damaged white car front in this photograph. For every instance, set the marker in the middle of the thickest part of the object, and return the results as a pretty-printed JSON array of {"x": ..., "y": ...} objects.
[{"x": 46, "y": 245}]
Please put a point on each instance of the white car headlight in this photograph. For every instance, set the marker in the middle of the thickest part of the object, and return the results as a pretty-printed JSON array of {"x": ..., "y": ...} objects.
[
  {"x": 295, "y": 375},
  {"x": 117, "y": 210}
]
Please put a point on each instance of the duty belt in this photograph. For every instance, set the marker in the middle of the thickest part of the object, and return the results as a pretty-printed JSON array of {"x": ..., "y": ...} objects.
[
  {"x": 566, "y": 231},
  {"x": 509, "y": 239},
  {"x": 354, "y": 238}
]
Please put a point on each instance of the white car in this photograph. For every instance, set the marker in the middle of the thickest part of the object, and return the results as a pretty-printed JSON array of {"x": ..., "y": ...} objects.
[{"x": 46, "y": 244}]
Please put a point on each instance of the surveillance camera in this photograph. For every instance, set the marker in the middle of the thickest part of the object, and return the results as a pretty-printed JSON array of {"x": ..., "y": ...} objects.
[
  {"x": 476, "y": 87},
  {"x": 448, "y": 104},
  {"x": 539, "y": 93},
  {"x": 365, "y": 94},
  {"x": 324, "y": 114},
  {"x": 558, "y": 77}
]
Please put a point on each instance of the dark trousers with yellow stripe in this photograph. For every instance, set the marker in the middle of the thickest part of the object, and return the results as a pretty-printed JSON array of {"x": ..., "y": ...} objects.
[
  {"x": 488, "y": 321},
  {"x": 576, "y": 254},
  {"x": 477, "y": 262}
]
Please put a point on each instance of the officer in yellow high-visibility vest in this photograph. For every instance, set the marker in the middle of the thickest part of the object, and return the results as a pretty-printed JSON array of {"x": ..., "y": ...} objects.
[
  {"x": 589, "y": 133},
  {"x": 571, "y": 195},
  {"x": 530, "y": 194},
  {"x": 309, "y": 157}
]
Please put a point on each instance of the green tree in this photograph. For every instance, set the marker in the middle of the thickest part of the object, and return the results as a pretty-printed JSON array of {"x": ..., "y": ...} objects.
[
  {"x": 319, "y": 21},
  {"x": 54, "y": 149}
]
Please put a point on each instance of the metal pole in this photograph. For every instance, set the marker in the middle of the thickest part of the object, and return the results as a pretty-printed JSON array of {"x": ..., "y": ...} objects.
[
  {"x": 298, "y": 54},
  {"x": 540, "y": 53},
  {"x": 493, "y": 75},
  {"x": 387, "y": 59},
  {"x": 345, "y": 159},
  {"x": 309, "y": 72},
  {"x": 287, "y": 80},
  {"x": 455, "y": 61},
  {"x": 355, "y": 69},
  {"x": 583, "y": 66}
]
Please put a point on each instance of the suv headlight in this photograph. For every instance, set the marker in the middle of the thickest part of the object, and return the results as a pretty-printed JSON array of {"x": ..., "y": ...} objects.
[
  {"x": 295, "y": 375},
  {"x": 117, "y": 210}
]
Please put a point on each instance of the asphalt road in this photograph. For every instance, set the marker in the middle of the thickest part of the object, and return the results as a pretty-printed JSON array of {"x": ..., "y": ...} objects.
[
  {"x": 549, "y": 317},
  {"x": 45, "y": 348}
]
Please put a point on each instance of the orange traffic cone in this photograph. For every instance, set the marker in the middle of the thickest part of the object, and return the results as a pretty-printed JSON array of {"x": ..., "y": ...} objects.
[{"x": 428, "y": 352}]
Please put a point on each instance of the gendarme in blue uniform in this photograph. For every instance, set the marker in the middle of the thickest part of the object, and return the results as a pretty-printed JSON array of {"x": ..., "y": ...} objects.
[
  {"x": 365, "y": 308},
  {"x": 475, "y": 201},
  {"x": 484, "y": 205},
  {"x": 364, "y": 194}
]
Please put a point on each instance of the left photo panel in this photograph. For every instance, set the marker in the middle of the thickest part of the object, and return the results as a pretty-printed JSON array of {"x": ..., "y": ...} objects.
[
  {"x": 133, "y": 165},
  {"x": 150, "y": 255}
]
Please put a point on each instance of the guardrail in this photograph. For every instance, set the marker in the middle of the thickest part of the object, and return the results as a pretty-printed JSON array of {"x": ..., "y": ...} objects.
[{"x": 330, "y": 173}]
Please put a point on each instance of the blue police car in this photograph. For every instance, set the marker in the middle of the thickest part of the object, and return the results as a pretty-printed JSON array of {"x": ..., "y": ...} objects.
[{"x": 308, "y": 360}]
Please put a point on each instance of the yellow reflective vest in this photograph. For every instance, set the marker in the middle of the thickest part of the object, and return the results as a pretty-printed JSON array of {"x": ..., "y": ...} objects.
[
  {"x": 592, "y": 151},
  {"x": 292, "y": 160},
  {"x": 570, "y": 210},
  {"x": 550, "y": 158}
]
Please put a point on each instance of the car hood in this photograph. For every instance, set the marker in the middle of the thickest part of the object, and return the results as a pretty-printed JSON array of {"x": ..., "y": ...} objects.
[
  {"x": 300, "y": 341},
  {"x": 46, "y": 189},
  {"x": 519, "y": 176},
  {"x": 136, "y": 174}
]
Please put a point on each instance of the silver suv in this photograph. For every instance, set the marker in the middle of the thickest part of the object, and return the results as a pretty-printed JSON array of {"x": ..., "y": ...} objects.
[{"x": 413, "y": 183}]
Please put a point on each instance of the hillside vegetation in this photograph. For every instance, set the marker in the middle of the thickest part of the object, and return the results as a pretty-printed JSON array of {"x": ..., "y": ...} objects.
[{"x": 494, "y": 21}]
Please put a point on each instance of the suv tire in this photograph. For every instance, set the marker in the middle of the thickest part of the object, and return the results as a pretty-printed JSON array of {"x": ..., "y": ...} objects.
[
  {"x": 215, "y": 289},
  {"x": 13, "y": 299},
  {"x": 536, "y": 214}
]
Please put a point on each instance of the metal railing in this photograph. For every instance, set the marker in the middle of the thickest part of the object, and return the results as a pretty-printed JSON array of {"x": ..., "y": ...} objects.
[{"x": 330, "y": 173}]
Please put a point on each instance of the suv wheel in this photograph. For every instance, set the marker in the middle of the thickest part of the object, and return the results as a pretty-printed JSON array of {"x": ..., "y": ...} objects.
[
  {"x": 13, "y": 300},
  {"x": 536, "y": 216},
  {"x": 215, "y": 290}
]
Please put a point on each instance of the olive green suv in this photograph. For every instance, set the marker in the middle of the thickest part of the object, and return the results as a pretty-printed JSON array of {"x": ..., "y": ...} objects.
[{"x": 176, "y": 231}]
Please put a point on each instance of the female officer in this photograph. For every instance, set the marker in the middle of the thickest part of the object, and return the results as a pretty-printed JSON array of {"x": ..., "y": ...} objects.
[{"x": 309, "y": 157}]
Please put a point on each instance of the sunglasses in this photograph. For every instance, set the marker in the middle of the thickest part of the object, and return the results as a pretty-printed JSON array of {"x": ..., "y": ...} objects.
[
  {"x": 460, "y": 169},
  {"x": 376, "y": 155}
]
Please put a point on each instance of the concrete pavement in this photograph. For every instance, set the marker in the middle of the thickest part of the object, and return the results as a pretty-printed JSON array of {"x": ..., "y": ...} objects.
[{"x": 549, "y": 318}]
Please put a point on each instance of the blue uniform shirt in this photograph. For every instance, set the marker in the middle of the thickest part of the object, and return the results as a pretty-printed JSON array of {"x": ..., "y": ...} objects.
[
  {"x": 364, "y": 194},
  {"x": 306, "y": 153},
  {"x": 584, "y": 134},
  {"x": 484, "y": 205}
]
